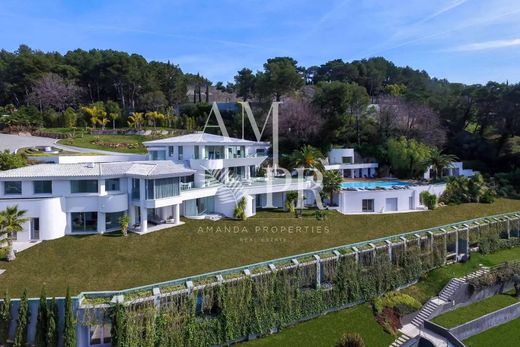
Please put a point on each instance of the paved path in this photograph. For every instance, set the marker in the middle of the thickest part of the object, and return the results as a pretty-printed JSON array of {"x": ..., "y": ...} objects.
[{"x": 15, "y": 142}]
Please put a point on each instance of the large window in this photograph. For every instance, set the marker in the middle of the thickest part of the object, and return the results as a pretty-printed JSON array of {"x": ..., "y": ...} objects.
[
  {"x": 236, "y": 152},
  {"x": 84, "y": 221},
  {"x": 112, "y": 220},
  {"x": 158, "y": 155},
  {"x": 346, "y": 160},
  {"x": 42, "y": 187},
  {"x": 368, "y": 205},
  {"x": 84, "y": 186},
  {"x": 162, "y": 188},
  {"x": 171, "y": 151},
  {"x": 112, "y": 185},
  {"x": 180, "y": 152},
  {"x": 100, "y": 334},
  {"x": 215, "y": 152},
  {"x": 136, "y": 189},
  {"x": 12, "y": 187}
]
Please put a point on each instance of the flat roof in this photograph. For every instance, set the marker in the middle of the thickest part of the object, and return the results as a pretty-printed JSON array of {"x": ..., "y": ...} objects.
[
  {"x": 204, "y": 138},
  {"x": 150, "y": 168}
]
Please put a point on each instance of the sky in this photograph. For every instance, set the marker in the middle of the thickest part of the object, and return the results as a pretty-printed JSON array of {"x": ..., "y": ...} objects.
[{"x": 469, "y": 41}]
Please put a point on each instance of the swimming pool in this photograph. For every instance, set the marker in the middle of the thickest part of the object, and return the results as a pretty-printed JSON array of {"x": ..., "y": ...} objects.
[{"x": 373, "y": 184}]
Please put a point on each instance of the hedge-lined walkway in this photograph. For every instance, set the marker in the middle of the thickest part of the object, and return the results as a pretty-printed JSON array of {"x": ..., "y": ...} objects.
[{"x": 112, "y": 262}]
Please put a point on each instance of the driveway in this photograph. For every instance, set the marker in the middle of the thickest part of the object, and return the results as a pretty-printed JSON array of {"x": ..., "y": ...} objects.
[{"x": 15, "y": 142}]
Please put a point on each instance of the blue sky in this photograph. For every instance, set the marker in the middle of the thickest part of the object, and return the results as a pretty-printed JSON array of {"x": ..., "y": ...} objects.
[{"x": 469, "y": 41}]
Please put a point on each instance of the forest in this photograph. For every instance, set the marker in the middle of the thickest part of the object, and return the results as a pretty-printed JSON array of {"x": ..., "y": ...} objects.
[{"x": 364, "y": 104}]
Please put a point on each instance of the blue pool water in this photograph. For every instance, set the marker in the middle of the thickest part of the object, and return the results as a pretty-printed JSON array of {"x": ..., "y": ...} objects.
[{"x": 373, "y": 184}]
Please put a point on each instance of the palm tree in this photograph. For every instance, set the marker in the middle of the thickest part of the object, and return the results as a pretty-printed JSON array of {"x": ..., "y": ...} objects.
[
  {"x": 11, "y": 222},
  {"x": 135, "y": 120},
  {"x": 308, "y": 157},
  {"x": 439, "y": 161},
  {"x": 114, "y": 116},
  {"x": 332, "y": 182}
]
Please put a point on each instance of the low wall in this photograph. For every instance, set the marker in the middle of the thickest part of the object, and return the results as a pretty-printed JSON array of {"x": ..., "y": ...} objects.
[
  {"x": 443, "y": 332},
  {"x": 486, "y": 322}
]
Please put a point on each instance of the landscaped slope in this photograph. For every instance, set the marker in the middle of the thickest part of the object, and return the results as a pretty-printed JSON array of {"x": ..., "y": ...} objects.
[
  {"x": 468, "y": 313},
  {"x": 506, "y": 335},
  {"x": 112, "y": 262},
  {"x": 327, "y": 330}
]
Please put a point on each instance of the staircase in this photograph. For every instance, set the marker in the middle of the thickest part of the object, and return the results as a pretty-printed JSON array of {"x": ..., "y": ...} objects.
[
  {"x": 483, "y": 270},
  {"x": 447, "y": 292},
  {"x": 400, "y": 340},
  {"x": 426, "y": 312}
]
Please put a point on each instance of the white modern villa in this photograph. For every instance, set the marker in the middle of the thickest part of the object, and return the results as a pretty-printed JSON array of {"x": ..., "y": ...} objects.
[{"x": 198, "y": 176}]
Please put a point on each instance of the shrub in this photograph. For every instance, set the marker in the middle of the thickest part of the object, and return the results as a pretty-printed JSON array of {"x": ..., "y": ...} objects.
[
  {"x": 290, "y": 200},
  {"x": 463, "y": 189},
  {"x": 351, "y": 340},
  {"x": 429, "y": 200},
  {"x": 124, "y": 220},
  {"x": 240, "y": 210},
  {"x": 404, "y": 303},
  {"x": 389, "y": 320}
]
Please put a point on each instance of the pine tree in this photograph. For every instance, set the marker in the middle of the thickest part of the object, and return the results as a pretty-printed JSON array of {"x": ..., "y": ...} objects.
[
  {"x": 69, "y": 328},
  {"x": 41, "y": 322},
  {"x": 22, "y": 321},
  {"x": 52, "y": 324},
  {"x": 5, "y": 319}
]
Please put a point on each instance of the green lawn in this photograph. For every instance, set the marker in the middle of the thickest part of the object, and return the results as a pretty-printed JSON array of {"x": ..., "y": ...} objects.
[
  {"x": 114, "y": 143},
  {"x": 435, "y": 280},
  {"x": 328, "y": 329},
  {"x": 468, "y": 313},
  {"x": 112, "y": 262},
  {"x": 505, "y": 335}
]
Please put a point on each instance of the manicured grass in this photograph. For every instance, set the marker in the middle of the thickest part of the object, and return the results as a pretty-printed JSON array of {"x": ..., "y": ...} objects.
[
  {"x": 328, "y": 329},
  {"x": 468, "y": 313},
  {"x": 125, "y": 143},
  {"x": 110, "y": 262},
  {"x": 435, "y": 280},
  {"x": 505, "y": 335}
]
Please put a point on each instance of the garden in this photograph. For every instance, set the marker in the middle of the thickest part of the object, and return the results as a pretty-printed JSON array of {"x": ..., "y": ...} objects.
[{"x": 201, "y": 246}]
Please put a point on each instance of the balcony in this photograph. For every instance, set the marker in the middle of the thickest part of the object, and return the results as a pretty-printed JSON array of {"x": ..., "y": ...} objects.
[{"x": 217, "y": 164}]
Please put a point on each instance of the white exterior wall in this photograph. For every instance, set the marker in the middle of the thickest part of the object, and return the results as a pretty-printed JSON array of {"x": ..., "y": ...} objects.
[
  {"x": 50, "y": 211},
  {"x": 336, "y": 155},
  {"x": 350, "y": 202}
]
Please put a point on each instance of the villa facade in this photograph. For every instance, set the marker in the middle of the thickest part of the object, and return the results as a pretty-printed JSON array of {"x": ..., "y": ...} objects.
[{"x": 196, "y": 176}]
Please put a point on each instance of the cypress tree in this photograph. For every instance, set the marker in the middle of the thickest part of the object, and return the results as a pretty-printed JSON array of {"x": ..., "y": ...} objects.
[
  {"x": 52, "y": 324},
  {"x": 41, "y": 322},
  {"x": 69, "y": 328},
  {"x": 5, "y": 319},
  {"x": 20, "y": 338}
]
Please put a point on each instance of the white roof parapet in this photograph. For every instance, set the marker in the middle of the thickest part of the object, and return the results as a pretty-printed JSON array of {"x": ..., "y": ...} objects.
[
  {"x": 151, "y": 168},
  {"x": 203, "y": 138}
]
